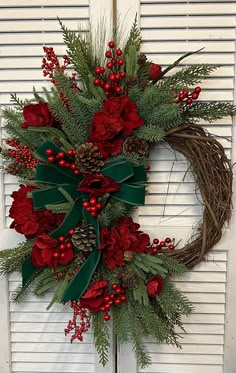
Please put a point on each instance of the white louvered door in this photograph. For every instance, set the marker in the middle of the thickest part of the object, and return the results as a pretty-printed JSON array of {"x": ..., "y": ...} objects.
[
  {"x": 169, "y": 29},
  {"x": 32, "y": 338}
]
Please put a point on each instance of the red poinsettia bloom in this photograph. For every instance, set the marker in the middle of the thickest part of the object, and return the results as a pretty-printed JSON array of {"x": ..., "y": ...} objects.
[
  {"x": 27, "y": 221},
  {"x": 123, "y": 237},
  {"x": 155, "y": 71},
  {"x": 93, "y": 299},
  {"x": 37, "y": 115},
  {"x": 46, "y": 252},
  {"x": 98, "y": 184},
  {"x": 155, "y": 286}
]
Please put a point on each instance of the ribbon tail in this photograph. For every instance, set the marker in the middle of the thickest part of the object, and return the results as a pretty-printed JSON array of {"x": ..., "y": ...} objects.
[
  {"x": 71, "y": 220},
  {"x": 81, "y": 281},
  {"x": 28, "y": 270}
]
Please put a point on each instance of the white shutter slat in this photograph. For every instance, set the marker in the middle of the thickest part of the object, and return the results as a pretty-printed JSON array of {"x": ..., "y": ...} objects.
[
  {"x": 158, "y": 8},
  {"x": 41, "y": 12}
]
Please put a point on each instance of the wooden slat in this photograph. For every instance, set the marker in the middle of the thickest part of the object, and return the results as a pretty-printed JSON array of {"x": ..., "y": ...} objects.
[{"x": 188, "y": 9}]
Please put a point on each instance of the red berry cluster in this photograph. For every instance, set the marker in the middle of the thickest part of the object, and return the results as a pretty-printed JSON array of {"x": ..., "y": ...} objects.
[
  {"x": 51, "y": 62},
  {"x": 84, "y": 324},
  {"x": 116, "y": 297},
  {"x": 157, "y": 245},
  {"x": 187, "y": 97},
  {"x": 64, "y": 244},
  {"x": 21, "y": 154},
  {"x": 110, "y": 80},
  {"x": 60, "y": 157},
  {"x": 92, "y": 206}
]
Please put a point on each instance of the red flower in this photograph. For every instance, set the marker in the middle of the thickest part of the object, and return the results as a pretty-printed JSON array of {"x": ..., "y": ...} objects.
[
  {"x": 45, "y": 252},
  {"x": 98, "y": 184},
  {"x": 37, "y": 115},
  {"x": 107, "y": 148},
  {"x": 155, "y": 71},
  {"x": 124, "y": 237},
  {"x": 27, "y": 221},
  {"x": 119, "y": 116},
  {"x": 93, "y": 299},
  {"x": 105, "y": 126},
  {"x": 155, "y": 286}
]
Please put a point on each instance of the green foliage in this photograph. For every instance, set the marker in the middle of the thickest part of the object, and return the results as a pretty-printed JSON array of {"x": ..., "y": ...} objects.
[
  {"x": 131, "y": 61},
  {"x": 59, "y": 208},
  {"x": 150, "y": 264},
  {"x": 11, "y": 259},
  {"x": 173, "y": 267},
  {"x": 19, "y": 104},
  {"x": 140, "y": 294},
  {"x": 186, "y": 77},
  {"x": 151, "y": 98},
  {"x": 135, "y": 93},
  {"x": 113, "y": 210},
  {"x": 134, "y": 38},
  {"x": 60, "y": 288},
  {"x": 208, "y": 111},
  {"x": 80, "y": 53},
  {"x": 165, "y": 116},
  {"x": 13, "y": 120},
  {"x": 150, "y": 133},
  {"x": 101, "y": 336}
]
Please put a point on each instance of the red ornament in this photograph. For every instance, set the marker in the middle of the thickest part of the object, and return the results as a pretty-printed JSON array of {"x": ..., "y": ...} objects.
[
  {"x": 70, "y": 152},
  {"x": 49, "y": 151},
  {"x": 118, "y": 90},
  {"x": 189, "y": 101},
  {"x": 118, "y": 290},
  {"x": 111, "y": 44},
  {"x": 56, "y": 255},
  {"x": 120, "y": 62},
  {"x": 185, "y": 93},
  {"x": 109, "y": 65},
  {"x": 96, "y": 82},
  {"x": 99, "y": 206},
  {"x": 198, "y": 89},
  {"x": 194, "y": 95},
  {"x": 68, "y": 245},
  {"x": 107, "y": 317},
  {"x": 155, "y": 250},
  {"x": 155, "y": 71},
  {"x": 108, "y": 54},
  {"x": 119, "y": 52},
  {"x": 94, "y": 214}
]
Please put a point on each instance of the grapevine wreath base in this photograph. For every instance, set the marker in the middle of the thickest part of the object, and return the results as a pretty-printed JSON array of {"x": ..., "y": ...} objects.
[
  {"x": 80, "y": 152},
  {"x": 212, "y": 171}
]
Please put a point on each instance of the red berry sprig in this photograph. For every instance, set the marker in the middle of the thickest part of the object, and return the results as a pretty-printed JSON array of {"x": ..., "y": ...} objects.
[
  {"x": 110, "y": 77},
  {"x": 116, "y": 297},
  {"x": 157, "y": 245},
  {"x": 64, "y": 243},
  {"x": 93, "y": 206},
  {"x": 187, "y": 97},
  {"x": 60, "y": 157},
  {"x": 21, "y": 154},
  {"x": 84, "y": 324}
]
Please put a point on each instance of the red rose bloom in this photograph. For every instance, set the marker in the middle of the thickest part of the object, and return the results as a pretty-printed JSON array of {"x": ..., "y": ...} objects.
[
  {"x": 124, "y": 237},
  {"x": 27, "y": 221},
  {"x": 93, "y": 299},
  {"x": 155, "y": 286},
  {"x": 46, "y": 252},
  {"x": 37, "y": 115},
  {"x": 98, "y": 184},
  {"x": 155, "y": 71}
]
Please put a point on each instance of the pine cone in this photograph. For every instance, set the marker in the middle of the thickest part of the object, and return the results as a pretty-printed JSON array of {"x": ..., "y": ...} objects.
[
  {"x": 131, "y": 81},
  {"x": 135, "y": 145},
  {"x": 127, "y": 278},
  {"x": 141, "y": 59},
  {"x": 96, "y": 277},
  {"x": 144, "y": 84},
  {"x": 13, "y": 169},
  {"x": 59, "y": 276},
  {"x": 84, "y": 238},
  {"x": 80, "y": 258},
  {"x": 88, "y": 159}
]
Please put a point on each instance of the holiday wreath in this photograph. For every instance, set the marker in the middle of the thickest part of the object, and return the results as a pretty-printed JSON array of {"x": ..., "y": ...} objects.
[{"x": 80, "y": 152}]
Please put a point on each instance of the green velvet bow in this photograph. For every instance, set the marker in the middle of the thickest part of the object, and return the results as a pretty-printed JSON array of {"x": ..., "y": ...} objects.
[{"x": 61, "y": 182}]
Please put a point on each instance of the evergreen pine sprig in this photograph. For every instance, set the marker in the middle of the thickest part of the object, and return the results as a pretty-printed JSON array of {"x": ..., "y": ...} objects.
[
  {"x": 166, "y": 116},
  {"x": 101, "y": 337},
  {"x": 208, "y": 111},
  {"x": 113, "y": 210},
  {"x": 11, "y": 259},
  {"x": 186, "y": 77},
  {"x": 150, "y": 133},
  {"x": 134, "y": 38}
]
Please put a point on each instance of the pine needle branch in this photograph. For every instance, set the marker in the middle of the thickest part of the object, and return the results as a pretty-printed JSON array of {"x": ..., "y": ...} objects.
[
  {"x": 208, "y": 111},
  {"x": 101, "y": 337},
  {"x": 12, "y": 259}
]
